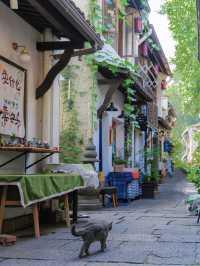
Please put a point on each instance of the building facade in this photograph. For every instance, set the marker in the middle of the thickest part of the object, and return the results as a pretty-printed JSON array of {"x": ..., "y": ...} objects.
[
  {"x": 31, "y": 32},
  {"x": 133, "y": 40}
]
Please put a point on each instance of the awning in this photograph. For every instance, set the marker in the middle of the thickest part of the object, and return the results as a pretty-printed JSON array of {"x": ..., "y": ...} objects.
[
  {"x": 62, "y": 16},
  {"x": 107, "y": 58}
]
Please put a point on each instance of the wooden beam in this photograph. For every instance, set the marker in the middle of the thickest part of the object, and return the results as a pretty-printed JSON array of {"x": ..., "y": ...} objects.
[
  {"x": 50, "y": 46},
  {"x": 2, "y": 206},
  {"x": 108, "y": 97},
  {"x": 44, "y": 12},
  {"x": 105, "y": 81},
  {"x": 79, "y": 52},
  {"x": 53, "y": 72}
]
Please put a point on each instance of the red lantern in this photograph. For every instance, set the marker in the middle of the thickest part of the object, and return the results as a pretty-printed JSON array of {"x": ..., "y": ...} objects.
[
  {"x": 144, "y": 49},
  {"x": 164, "y": 84},
  {"x": 157, "y": 68},
  {"x": 138, "y": 24}
]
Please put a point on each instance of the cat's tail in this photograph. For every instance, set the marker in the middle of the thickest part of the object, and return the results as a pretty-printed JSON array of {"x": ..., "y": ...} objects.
[{"x": 74, "y": 232}]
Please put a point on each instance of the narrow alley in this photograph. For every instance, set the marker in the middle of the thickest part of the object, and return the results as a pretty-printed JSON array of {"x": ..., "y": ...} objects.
[{"x": 146, "y": 232}]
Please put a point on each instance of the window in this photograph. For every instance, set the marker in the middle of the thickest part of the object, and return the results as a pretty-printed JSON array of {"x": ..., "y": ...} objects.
[
  {"x": 128, "y": 36},
  {"x": 110, "y": 22}
]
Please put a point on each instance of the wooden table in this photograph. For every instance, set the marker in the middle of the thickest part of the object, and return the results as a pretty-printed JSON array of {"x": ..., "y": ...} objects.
[{"x": 35, "y": 210}]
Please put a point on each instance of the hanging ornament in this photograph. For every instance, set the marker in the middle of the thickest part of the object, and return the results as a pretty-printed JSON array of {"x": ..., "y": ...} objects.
[
  {"x": 14, "y": 4},
  {"x": 138, "y": 24}
]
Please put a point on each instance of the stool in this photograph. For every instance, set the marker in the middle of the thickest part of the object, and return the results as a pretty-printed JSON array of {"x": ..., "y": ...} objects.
[{"x": 109, "y": 191}]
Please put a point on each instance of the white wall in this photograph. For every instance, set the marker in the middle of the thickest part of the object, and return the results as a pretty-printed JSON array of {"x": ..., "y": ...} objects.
[
  {"x": 118, "y": 100},
  {"x": 15, "y": 29}
]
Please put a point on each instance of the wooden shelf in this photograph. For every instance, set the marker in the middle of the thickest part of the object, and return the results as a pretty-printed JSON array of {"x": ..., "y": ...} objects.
[{"x": 28, "y": 149}]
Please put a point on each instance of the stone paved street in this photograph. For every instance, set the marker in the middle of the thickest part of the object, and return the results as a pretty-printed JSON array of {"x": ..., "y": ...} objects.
[{"x": 147, "y": 232}]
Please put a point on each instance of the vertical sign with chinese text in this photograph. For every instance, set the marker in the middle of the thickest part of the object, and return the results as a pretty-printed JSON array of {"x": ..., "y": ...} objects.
[{"x": 12, "y": 84}]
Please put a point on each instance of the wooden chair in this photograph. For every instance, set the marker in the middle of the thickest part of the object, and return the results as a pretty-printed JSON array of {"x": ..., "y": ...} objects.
[{"x": 112, "y": 191}]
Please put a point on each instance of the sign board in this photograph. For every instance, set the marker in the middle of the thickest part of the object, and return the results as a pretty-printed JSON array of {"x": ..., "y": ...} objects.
[{"x": 12, "y": 87}]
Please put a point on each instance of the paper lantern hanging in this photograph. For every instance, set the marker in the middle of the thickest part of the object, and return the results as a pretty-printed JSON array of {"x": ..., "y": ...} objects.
[
  {"x": 138, "y": 24},
  {"x": 157, "y": 68},
  {"x": 144, "y": 49}
]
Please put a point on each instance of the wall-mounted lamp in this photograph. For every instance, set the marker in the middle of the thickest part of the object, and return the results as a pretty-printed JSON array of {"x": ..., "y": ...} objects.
[
  {"x": 24, "y": 54},
  {"x": 111, "y": 108},
  {"x": 14, "y": 4}
]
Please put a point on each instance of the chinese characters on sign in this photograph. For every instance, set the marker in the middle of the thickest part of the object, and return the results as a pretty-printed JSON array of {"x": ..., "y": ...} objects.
[{"x": 12, "y": 82}]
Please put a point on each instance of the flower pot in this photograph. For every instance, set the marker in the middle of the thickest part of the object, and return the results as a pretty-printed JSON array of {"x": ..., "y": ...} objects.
[
  {"x": 118, "y": 167},
  {"x": 148, "y": 190}
]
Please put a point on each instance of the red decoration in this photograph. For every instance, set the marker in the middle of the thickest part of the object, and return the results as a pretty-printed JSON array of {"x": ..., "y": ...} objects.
[
  {"x": 135, "y": 174},
  {"x": 144, "y": 49},
  {"x": 138, "y": 24},
  {"x": 164, "y": 84},
  {"x": 157, "y": 68}
]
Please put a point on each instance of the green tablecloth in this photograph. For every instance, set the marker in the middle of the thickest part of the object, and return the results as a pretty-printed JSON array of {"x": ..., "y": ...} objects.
[{"x": 40, "y": 187}]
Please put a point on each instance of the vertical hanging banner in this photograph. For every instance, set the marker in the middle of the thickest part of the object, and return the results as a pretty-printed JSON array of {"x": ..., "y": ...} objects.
[{"x": 12, "y": 87}]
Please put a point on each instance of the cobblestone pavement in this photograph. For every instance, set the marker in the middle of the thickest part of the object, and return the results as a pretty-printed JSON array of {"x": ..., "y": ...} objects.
[{"x": 147, "y": 232}]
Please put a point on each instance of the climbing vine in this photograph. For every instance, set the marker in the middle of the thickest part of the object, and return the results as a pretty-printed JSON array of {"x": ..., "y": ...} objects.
[
  {"x": 114, "y": 64},
  {"x": 71, "y": 141}
]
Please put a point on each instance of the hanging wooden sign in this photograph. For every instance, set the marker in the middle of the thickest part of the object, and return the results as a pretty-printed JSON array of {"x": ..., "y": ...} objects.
[{"x": 12, "y": 87}]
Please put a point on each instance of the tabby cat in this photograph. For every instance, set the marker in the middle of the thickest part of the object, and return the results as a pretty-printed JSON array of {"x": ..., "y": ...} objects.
[{"x": 92, "y": 232}]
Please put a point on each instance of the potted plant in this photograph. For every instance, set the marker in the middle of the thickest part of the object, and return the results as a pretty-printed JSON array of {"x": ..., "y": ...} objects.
[
  {"x": 148, "y": 187},
  {"x": 119, "y": 164}
]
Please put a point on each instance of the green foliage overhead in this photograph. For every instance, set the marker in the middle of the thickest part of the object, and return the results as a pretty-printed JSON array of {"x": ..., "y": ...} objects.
[{"x": 183, "y": 25}]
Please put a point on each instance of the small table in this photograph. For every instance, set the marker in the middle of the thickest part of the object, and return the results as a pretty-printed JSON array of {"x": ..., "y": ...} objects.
[
  {"x": 23, "y": 151},
  {"x": 31, "y": 190}
]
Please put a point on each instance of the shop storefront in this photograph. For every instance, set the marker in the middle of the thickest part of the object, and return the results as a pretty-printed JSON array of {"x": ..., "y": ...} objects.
[{"x": 31, "y": 32}]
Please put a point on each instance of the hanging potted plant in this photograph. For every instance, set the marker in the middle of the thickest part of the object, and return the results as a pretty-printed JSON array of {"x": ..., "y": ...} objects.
[{"x": 119, "y": 164}]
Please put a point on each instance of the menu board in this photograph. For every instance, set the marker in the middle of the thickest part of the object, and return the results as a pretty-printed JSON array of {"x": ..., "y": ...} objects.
[{"x": 12, "y": 86}]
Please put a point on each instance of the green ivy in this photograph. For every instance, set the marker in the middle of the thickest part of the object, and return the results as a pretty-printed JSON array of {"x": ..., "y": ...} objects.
[{"x": 71, "y": 141}]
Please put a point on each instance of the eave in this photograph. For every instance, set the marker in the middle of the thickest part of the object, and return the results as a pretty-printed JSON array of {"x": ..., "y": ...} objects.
[
  {"x": 160, "y": 55},
  {"x": 62, "y": 16}
]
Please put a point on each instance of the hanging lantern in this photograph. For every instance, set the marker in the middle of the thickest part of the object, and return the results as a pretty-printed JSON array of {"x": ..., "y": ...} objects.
[
  {"x": 14, "y": 4},
  {"x": 144, "y": 49},
  {"x": 157, "y": 68},
  {"x": 138, "y": 24},
  {"x": 164, "y": 84}
]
